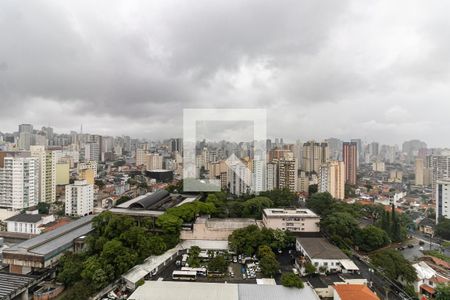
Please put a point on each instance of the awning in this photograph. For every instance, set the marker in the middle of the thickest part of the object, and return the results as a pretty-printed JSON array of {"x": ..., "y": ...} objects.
[
  {"x": 427, "y": 288},
  {"x": 349, "y": 265}
]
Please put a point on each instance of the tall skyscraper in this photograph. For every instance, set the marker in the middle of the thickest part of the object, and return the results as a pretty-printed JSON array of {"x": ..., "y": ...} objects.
[
  {"x": 442, "y": 199},
  {"x": 25, "y": 136},
  {"x": 19, "y": 180},
  {"x": 314, "y": 155},
  {"x": 79, "y": 198},
  {"x": 47, "y": 173},
  {"x": 359, "y": 146},
  {"x": 350, "y": 153},
  {"x": 332, "y": 179},
  {"x": 259, "y": 172}
]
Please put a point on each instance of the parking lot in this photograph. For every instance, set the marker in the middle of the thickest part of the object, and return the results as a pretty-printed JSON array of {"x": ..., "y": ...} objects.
[{"x": 239, "y": 271}]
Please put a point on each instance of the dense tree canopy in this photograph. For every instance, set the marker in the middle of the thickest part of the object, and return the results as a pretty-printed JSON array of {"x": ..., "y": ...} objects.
[
  {"x": 443, "y": 292},
  {"x": 281, "y": 197},
  {"x": 443, "y": 228},
  {"x": 291, "y": 280},
  {"x": 394, "y": 265},
  {"x": 247, "y": 240},
  {"x": 372, "y": 238},
  {"x": 218, "y": 264},
  {"x": 115, "y": 245}
]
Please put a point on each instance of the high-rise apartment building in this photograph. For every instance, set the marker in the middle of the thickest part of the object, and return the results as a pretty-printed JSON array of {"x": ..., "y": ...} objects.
[
  {"x": 46, "y": 160},
  {"x": 154, "y": 161},
  {"x": 79, "y": 198},
  {"x": 442, "y": 199},
  {"x": 272, "y": 176},
  {"x": 25, "y": 136},
  {"x": 287, "y": 174},
  {"x": 359, "y": 146},
  {"x": 332, "y": 179},
  {"x": 350, "y": 154},
  {"x": 314, "y": 155},
  {"x": 440, "y": 165},
  {"x": 141, "y": 158},
  {"x": 259, "y": 172},
  {"x": 19, "y": 180},
  {"x": 238, "y": 179}
]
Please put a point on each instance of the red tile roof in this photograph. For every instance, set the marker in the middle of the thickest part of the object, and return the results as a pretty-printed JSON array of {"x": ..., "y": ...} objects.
[{"x": 355, "y": 292}]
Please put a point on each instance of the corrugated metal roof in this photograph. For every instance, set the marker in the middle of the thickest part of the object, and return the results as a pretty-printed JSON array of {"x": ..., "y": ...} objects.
[
  {"x": 48, "y": 243},
  {"x": 12, "y": 283}
]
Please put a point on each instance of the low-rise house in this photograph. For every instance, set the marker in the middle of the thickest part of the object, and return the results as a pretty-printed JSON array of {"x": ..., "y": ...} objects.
[
  {"x": 30, "y": 223},
  {"x": 324, "y": 256},
  {"x": 427, "y": 279},
  {"x": 427, "y": 226},
  {"x": 294, "y": 220},
  {"x": 324, "y": 285}
]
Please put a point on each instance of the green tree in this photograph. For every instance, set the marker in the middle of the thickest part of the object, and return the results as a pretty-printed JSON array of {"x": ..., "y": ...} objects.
[
  {"x": 43, "y": 208},
  {"x": 372, "y": 238},
  {"x": 93, "y": 272},
  {"x": 247, "y": 240},
  {"x": 80, "y": 290},
  {"x": 269, "y": 266},
  {"x": 291, "y": 280},
  {"x": 342, "y": 227},
  {"x": 394, "y": 265},
  {"x": 265, "y": 250},
  {"x": 320, "y": 202},
  {"x": 312, "y": 189},
  {"x": 254, "y": 207},
  {"x": 396, "y": 235},
  {"x": 310, "y": 268},
  {"x": 70, "y": 267},
  {"x": 280, "y": 197},
  {"x": 443, "y": 292},
  {"x": 218, "y": 264},
  {"x": 169, "y": 223},
  {"x": 116, "y": 254},
  {"x": 443, "y": 228}
]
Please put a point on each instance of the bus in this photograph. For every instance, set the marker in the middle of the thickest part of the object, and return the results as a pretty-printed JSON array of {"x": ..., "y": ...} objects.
[
  {"x": 200, "y": 271},
  {"x": 184, "y": 275}
]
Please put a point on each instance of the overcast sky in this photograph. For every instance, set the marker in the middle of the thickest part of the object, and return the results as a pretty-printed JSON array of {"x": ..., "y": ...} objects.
[{"x": 378, "y": 70}]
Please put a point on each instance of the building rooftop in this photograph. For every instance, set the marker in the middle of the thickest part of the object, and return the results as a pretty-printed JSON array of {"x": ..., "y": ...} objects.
[
  {"x": 229, "y": 224},
  {"x": 26, "y": 218},
  {"x": 50, "y": 243},
  {"x": 355, "y": 292},
  {"x": 10, "y": 284},
  {"x": 171, "y": 290},
  {"x": 317, "y": 248},
  {"x": 300, "y": 212}
]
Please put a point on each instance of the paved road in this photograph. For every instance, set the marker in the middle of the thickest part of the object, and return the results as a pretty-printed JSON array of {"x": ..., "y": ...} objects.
[{"x": 378, "y": 283}]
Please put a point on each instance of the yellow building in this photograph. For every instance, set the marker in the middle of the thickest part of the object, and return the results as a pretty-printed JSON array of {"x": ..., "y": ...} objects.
[
  {"x": 62, "y": 173},
  {"x": 88, "y": 175}
]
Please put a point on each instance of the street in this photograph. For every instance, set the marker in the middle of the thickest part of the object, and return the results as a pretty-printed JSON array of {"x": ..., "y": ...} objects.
[{"x": 379, "y": 285}]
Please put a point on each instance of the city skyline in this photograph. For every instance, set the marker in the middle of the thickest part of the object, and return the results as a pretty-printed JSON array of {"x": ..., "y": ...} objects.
[{"x": 355, "y": 69}]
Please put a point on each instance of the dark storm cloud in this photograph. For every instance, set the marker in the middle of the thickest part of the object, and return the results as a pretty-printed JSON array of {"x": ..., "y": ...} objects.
[{"x": 377, "y": 70}]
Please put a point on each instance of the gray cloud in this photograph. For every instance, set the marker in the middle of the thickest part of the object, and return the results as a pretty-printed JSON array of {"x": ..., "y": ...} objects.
[{"x": 376, "y": 70}]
